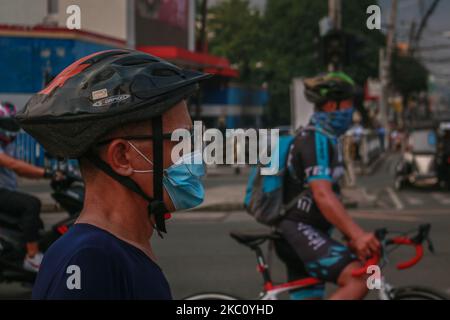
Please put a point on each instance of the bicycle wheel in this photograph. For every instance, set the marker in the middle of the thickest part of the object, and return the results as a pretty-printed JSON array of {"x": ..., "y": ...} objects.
[
  {"x": 211, "y": 296},
  {"x": 418, "y": 293}
]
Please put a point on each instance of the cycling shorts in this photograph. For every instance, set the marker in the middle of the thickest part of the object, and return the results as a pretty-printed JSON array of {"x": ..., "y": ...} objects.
[{"x": 309, "y": 252}]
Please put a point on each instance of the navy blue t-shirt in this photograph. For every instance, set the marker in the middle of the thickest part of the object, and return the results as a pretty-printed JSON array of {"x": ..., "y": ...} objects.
[{"x": 91, "y": 263}]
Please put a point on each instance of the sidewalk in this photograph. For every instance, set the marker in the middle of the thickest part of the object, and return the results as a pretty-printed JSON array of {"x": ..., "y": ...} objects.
[{"x": 225, "y": 191}]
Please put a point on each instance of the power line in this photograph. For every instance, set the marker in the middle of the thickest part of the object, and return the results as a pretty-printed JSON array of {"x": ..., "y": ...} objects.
[
  {"x": 424, "y": 22},
  {"x": 434, "y": 47},
  {"x": 436, "y": 60}
]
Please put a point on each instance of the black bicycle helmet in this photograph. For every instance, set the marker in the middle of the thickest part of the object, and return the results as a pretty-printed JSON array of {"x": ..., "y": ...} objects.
[
  {"x": 100, "y": 92},
  {"x": 333, "y": 86}
]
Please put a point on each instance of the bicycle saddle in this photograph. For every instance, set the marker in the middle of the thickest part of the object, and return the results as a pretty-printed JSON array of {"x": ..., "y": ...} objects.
[{"x": 254, "y": 238}]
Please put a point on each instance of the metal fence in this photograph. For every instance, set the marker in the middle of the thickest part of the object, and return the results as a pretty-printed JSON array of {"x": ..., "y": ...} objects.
[{"x": 29, "y": 150}]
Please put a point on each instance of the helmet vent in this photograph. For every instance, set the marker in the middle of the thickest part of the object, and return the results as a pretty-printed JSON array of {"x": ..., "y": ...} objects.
[
  {"x": 164, "y": 73},
  {"x": 104, "y": 75},
  {"x": 135, "y": 61}
]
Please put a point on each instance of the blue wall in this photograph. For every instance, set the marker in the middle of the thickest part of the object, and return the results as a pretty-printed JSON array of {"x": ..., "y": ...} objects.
[
  {"x": 23, "y": 64},
  {"x": 24, "y": 60},
  {"x": 235, "y": 95}
]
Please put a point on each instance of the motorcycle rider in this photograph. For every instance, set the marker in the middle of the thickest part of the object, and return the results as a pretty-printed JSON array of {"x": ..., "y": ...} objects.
[
  {"x": 115, "y": 111},
  {"x": 14, "y": 202},
  {"x": 315, "y": 166}
]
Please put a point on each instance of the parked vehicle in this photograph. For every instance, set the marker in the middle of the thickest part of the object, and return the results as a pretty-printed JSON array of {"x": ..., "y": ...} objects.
[
  {"x": 443, "y": 154},
  {"x": 418, "y": 162}
]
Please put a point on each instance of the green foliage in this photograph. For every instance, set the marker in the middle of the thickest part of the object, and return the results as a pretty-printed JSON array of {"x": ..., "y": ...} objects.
[
  {"x": 408, "y": 75},
  {"x": 234, "y": 31},
  {"x": 284, "y": 43}
]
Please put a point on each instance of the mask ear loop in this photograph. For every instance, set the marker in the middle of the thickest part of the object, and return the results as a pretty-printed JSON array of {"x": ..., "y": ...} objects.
[{"x": 143, "y": 156}]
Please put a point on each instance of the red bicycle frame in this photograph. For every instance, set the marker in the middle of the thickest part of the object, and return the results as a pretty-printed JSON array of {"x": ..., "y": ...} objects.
[{"x": 306, "y": 282}]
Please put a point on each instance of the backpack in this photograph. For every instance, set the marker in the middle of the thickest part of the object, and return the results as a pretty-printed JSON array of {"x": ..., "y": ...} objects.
[
  {"x": 264, "y": 197},
  {"x": 264, "y": 194}
]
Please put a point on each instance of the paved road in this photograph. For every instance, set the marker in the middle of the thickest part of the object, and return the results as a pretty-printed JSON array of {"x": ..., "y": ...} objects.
[
  {"x": 421, "y": 198},
  {"x": 198, "y": 255}
]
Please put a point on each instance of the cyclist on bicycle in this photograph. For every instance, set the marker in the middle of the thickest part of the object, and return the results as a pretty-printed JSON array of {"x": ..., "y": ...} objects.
[
  {"x": 315, "y": 166},
  {"x": 116, "y": 111},
  {"x": 13, "y": 202}
]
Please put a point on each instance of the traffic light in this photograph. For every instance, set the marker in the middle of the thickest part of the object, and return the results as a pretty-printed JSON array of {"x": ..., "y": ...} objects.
[
  {"x": 334, "y": 48},
  {"x": 355, "y": 49},
  {"x": 340, "y": 48}
]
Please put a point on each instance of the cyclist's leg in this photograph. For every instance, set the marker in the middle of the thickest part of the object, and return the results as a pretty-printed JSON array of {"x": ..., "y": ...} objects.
[
  {"x": 27, "y": 208},
  {"x": 295, "y": 270},
  {"x": 325, "y": 258},
  {"x": 350, "y": 288}
]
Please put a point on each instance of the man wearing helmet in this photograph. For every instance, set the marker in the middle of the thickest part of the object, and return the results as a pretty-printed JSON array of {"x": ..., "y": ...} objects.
[
  {"x": 13, "y": 202},
  {"x": 315, "y": 166},
  {"x": 115, "y": 111}
]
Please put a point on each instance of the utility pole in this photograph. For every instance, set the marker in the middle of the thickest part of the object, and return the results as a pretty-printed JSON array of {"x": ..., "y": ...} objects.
[
  {"x": 385, "y": 65},
  {"x": 335, "y": 16}
]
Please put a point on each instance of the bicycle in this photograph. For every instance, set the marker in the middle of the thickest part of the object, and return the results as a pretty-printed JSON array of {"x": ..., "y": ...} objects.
[{"x": 387, "y": 291}]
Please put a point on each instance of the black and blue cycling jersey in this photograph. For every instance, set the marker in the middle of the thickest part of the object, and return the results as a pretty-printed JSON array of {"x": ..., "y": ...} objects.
[
  {"x": 307, "y": 247},
  {"x": 315, "y": 155}
]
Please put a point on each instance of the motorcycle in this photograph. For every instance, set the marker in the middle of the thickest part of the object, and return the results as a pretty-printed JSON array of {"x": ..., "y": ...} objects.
[{"x": 69, "y": 194}]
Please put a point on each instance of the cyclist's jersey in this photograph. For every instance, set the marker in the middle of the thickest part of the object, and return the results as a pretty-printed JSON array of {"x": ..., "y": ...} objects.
[
  {"x": 308, "y": 249},
  {"x": 314, "y": 155}
]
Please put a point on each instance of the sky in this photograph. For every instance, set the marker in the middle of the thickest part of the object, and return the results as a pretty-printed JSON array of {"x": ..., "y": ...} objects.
[{"x": 439, "y": 23}]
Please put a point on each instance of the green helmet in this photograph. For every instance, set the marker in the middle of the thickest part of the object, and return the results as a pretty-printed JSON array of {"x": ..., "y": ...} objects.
[{"x": 333, "y": 86}]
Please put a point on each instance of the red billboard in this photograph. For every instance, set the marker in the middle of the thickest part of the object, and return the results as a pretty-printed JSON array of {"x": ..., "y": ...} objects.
[{"x": 161, "y": 22}]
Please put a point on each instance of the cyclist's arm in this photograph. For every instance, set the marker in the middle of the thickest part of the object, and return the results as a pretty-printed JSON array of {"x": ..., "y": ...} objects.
[
  {"x": 333, "y": 210},
  {"x": 365, "y": 244},
  {"x": 20, "y": 167}
]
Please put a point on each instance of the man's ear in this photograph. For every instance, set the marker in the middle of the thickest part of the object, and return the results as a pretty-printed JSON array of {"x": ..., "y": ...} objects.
[{"x": 118, "y": 157}]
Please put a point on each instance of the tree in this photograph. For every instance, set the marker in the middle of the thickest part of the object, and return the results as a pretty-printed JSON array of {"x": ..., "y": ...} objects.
[
  {"x": 234, "y": 31},
  {"x": 284, "y": 43},
  {"x": 409, "y": 76},
  {"x": 292, "y": 46}
]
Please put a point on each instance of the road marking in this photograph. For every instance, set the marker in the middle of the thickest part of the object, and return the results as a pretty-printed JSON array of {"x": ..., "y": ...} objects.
[
  {"x": 442, "y": 198},
  {"x": 414, "y": 201},
  {"x": 395, "y": 198}
]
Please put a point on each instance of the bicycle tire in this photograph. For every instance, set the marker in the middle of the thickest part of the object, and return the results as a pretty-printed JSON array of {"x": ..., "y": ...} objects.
[
  {"x": 418, "y": 293},
  {"x": 211, "y": 296}
]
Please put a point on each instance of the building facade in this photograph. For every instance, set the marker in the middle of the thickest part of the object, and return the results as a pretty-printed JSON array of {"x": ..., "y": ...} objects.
[{"x": 36, "y": 44}]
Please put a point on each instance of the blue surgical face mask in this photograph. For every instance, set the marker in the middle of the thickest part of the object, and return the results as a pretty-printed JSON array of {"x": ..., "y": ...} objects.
[
  {"x": 339, "y": 121},
  {"x": 182, "y": 180}
]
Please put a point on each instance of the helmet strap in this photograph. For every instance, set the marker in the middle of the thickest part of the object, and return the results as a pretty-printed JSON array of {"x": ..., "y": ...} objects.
[
  {"x": 156, "y": 204},
  {"x": 159, "y": 209}
]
